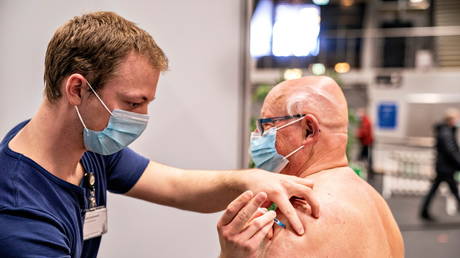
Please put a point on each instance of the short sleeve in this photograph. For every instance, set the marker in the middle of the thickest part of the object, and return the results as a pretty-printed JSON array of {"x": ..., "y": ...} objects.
[
  {"x": 26, "y": 235},
  {"x": 124, "y": 169}
]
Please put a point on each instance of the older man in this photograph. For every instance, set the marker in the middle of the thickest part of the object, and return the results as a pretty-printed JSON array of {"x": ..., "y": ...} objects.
[{"x": 303, "y": 132}]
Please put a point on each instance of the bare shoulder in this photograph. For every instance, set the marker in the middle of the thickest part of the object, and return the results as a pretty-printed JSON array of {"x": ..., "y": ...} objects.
[
  {"x": 354, "y": 221},
  {"x": 361, "y": 209}
]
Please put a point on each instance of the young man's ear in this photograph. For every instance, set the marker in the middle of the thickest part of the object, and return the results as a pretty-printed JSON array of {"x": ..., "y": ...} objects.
[{"x": 73, "y": 88}]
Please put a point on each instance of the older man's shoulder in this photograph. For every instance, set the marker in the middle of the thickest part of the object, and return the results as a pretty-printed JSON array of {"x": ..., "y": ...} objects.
[
  {"x": 343, "y": 192},
  {"x": 354, "y": 217},
  {"x": 342, "y": 180}
]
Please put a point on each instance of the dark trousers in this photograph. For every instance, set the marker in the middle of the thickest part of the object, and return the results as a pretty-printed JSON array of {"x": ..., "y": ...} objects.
[
  {"x": 449, "y": 179},
  {"x": 366, "y": 155}
]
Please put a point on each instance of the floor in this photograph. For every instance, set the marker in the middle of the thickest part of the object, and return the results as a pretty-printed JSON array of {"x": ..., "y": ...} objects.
[{"x": 439, "y": 239}]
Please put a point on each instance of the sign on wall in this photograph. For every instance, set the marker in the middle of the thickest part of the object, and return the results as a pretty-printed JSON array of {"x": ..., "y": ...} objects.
[{"x": 387, "y": 114}]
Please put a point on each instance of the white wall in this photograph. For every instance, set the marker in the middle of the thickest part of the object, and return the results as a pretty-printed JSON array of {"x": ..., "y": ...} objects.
[
  {"x": 195, "y": 119},
  {"x": 417, "y": 87}
]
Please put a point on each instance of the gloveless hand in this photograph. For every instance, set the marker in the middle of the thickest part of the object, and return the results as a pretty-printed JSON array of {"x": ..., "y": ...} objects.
[
  {"x": 280, "y": 188},
  {"x": 243, "y": 228}
]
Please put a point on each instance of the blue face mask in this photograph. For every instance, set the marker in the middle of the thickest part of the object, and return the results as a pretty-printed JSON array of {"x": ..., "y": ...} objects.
[
  {"x": 123, "y": 128},
  {"x": 263, "y": 150}
]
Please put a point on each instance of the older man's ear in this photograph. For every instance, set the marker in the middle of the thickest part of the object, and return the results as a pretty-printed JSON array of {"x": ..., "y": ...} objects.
[{"x": 312, "y": 129}]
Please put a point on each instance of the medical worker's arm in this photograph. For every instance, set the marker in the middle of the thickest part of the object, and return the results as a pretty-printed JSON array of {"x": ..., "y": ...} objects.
[{"x": 211, "y": 191}]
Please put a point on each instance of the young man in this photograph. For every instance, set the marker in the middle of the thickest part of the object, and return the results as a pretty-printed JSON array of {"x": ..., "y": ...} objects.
[{"x": 101, "y": 72}]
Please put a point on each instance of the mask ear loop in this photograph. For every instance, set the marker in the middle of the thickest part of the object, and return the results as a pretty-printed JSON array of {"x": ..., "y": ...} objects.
[
  {"x": 294, "y": 151},
  {"x": 102, "y": 102},
  {"x": 290, "y": 123},
  {"x": 79, "y": 116}
]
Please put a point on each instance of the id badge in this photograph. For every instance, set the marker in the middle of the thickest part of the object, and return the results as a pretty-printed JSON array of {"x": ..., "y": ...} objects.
[{"x": 95, "y": 223}]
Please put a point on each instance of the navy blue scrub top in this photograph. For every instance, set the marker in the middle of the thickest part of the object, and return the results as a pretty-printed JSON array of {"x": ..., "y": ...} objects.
[{"x": 42, "y": 215}]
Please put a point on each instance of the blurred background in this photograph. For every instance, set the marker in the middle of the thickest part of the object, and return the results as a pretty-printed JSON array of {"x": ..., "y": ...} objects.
[{"x": 397, "y": 61}]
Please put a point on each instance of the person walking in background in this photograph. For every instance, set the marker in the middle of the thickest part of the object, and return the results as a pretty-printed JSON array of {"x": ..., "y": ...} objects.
[
  {"x": 364, "y": 135},
  {"x": 447, "y": 159}
]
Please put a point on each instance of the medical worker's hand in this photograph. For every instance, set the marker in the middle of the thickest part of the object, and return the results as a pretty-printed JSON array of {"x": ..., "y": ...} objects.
[
  {"x": 243, "y": 227},
  {"x": 280, "y": 188}
]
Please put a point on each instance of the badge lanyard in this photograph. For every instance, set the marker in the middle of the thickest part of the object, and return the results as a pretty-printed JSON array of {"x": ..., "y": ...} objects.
[
  {"x": 95, "y": 222},
  {"x": 91, "y": 184}
]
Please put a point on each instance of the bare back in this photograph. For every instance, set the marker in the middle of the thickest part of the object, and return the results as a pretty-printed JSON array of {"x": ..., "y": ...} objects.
[{"x": 355, "y": 221}]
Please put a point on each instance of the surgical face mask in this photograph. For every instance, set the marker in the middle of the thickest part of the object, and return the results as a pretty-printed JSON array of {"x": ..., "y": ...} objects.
[
  {"x": 123, "y": 128},
  {"x": 264, "y": 153}
]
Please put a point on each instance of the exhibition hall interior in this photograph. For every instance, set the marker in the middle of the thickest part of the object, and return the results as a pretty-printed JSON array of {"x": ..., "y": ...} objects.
[{"x": 397, "y": 63}]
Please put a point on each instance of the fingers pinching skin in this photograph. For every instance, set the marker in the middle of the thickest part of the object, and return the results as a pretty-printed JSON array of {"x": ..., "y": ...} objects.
[
  {"x": 306, "y": 193},
  {"x": 288, "y": 210},
  {"x": 300, "y": 188},
  {"x": 234, "y": 207}
]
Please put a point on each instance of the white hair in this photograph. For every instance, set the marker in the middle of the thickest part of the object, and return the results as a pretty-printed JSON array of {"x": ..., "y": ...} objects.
[{"x": 295, "y": 103}]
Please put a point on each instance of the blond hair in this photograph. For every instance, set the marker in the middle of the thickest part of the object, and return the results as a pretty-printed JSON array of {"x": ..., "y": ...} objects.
[{"x": 93, "y": 45}]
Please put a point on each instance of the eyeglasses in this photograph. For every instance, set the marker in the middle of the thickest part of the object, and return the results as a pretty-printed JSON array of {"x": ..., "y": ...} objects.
[{"x": 262, "y": 121}]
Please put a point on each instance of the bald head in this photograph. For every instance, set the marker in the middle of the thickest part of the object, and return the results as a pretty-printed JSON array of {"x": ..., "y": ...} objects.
[{"x": 319, "y": 96}]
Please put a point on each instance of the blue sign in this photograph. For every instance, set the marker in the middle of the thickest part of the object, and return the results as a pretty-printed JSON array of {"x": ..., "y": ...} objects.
[{"x": 387, "y": 114}]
